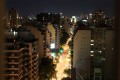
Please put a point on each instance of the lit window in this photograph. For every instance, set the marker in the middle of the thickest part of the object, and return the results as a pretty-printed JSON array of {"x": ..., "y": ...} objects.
[
  {"x": 92, "y": 51},
  {"x": 92, "y": 44},
  {"x": 92, "y": 55},
  {"x": 52, "y": 46},
  {"x": 92, "y": 40},
  {"x": 100, "y": 51}
]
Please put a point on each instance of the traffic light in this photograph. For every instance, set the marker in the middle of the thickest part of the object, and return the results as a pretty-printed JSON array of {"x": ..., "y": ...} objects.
[{"x": 61, "y": 50}]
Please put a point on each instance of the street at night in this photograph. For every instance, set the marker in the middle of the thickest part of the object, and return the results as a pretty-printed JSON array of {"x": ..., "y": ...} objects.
[
  {"x": 64, "y": 62},
  {"x": 59, "y": 40}
]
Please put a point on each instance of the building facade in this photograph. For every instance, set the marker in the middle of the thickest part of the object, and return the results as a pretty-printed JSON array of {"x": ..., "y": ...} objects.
[
  {"x": 13, "y": 18},
  {"x": 21, "y": 58},
  {"x": 81, "y": 54},
  {"x": 102, "y": 53}
]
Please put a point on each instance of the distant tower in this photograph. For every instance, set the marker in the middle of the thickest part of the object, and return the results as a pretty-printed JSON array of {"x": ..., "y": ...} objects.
[{"x": 13, "y": 18}]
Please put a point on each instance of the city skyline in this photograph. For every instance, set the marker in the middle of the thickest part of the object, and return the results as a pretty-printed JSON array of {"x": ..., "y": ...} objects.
[
  {"x": 51, "y": 47},
  {"x": 66, "y": 7}
]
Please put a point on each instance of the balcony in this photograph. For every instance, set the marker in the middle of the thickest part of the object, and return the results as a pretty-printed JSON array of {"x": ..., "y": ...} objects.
[
  {"x": 13, "y": 62},
  {"x": 11, "y": 74},
  {"x": 11, "y": 68}
]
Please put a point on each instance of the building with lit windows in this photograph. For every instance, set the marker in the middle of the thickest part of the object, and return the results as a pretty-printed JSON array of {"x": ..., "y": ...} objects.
[
  {"x": 21, "y": 59},
  {"x": 102, "y": 53},
  {"x": 57, "y": 36},
  {"x": 55, "y": 20},
  {"x": 94, "y": 51},
  {"x": 13, "y": 18}
]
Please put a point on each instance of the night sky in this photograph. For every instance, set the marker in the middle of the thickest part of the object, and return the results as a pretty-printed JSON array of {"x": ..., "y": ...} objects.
[{"x": 67, "y": 7}]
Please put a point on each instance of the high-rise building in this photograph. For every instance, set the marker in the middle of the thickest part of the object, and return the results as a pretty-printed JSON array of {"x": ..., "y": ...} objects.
[
  {"x": 39, "y": 34},
  {"x": 57, "y": 36},
  {"x": 66, "y": 23},
  {"x": 110, "y": 55},
  {"x": 13, "y": 18},
  {"x": 21, "y": 58},
  {"x": 51, "y": 30},
  {"x": 81, "y": 54},
  {"x": 97, "y": 48},
  {"x": 55, "y": 20},
  {"x": 102, "y": 54},
  {"x": 97, "y": 52}
]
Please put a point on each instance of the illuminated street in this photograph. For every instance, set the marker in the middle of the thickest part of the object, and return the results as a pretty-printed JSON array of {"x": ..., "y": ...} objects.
[{"x": 64, "y": 63}]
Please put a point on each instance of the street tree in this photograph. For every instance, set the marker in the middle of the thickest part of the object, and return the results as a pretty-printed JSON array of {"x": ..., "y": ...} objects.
[
  {"x": 67, "y": 72},
  {"x": 47, "y": 68},
  {"x": 64, "y": 38}
]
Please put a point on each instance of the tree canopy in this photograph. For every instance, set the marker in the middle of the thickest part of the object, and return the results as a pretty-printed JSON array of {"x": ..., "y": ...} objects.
[
  {"x": 47, "y": 68},
  {"x": 67, "y": 71},
  {"x": 64, "y": 38}
]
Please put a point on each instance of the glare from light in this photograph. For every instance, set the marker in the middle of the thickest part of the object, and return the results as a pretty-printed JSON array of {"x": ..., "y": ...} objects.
[
  {"x": 30, "y": 18},
  {"x": 92, "y": 44},
  {"x": 52, "y": 46},
  {"x": 61, "y": 26},
  {"x": 92, "y": 51},
  {"x": 11, "y": 30},
  {"x": 53, "y": 54},
  {"x": 90, "y": 14},
  {"x": 61, "y": 13},
  {"x": 100, "y": 51},
  {"x": 92, "y": 40},
  {"x": 84, "y": 20},
  {"x": 14, "y": 32},
  {"x": 65, "y": 75},
  {"x": 92, "y": 55}
]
